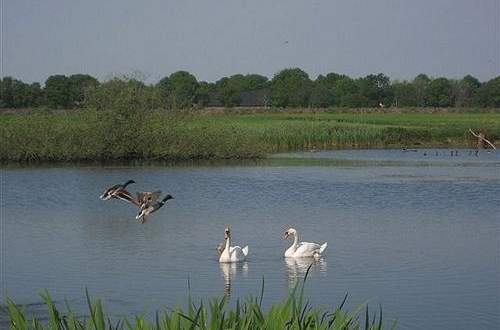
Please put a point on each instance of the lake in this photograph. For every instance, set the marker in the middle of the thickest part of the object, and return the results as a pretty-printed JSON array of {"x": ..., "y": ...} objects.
[{"x": 416, "y": 231}]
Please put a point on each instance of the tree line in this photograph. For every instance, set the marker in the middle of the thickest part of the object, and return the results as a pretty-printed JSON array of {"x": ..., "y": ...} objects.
[{"x": 288, "y": 88}]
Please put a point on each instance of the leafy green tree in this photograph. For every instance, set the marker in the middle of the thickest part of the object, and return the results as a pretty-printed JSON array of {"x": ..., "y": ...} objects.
[
  {"x": 19, "y": 91},
  {"x": 374, "y": 89},
  {"x": 473, "y": 82},
  {"x": 254, "y": 82},
  {"x": 323, "y": 93},
  {"x": 121, "y": 104},
  {"x": 421, "y": 85},
  {"x": 35, "y": 95},
  {"x": 78, "y": 83},
  {"x": 332, "y": 78},
  {"x": 205, "y": 92},
  {"x": 58, "y": 91},
  {"x": 347, "y": 94},
  {"x": 464, "y": 90},
  {"x": 21, "y": 94},
  {"x": 290, "y": 88},
  {"x": 229, "y": 90},
  {"x": 122, "y": 94},
  {"x": 488, "y": 95},
  {"x": 404, "y": 94},
  {"x": 17, "y": 94},
  {"x": 179, "y": 90},
  {"x": 162, "y": 86},
  {"x": 6, "y": 93},
  {"x": 440, "y": 93}
]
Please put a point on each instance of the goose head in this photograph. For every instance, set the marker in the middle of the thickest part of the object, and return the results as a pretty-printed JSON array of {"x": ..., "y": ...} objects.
[
  {"x": 167, "y": 198},
  {"x": 289, "y": 232},
  {"x": 128, "y": 182}
]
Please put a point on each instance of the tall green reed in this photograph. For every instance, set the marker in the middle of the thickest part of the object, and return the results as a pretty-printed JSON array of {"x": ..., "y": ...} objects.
[{"x": 295, "y": 312}]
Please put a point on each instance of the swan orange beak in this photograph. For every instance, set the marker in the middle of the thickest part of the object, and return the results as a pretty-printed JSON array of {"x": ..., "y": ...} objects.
[{"x": 285, "y": 236}]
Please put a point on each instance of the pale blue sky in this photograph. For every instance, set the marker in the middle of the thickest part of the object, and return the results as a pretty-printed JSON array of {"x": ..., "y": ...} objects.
[{"x": 216, "y": 38}]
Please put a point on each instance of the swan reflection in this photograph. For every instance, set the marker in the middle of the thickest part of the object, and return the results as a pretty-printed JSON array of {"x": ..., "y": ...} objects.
[
  {"x": 297, "y": 267},
  {"x": 229, "y": 270}
]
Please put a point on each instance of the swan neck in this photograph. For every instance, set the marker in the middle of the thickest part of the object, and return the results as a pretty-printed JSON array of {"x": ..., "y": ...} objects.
[
  {"x": 295, "y": 239},
  {"x": 228, "y": 243}
]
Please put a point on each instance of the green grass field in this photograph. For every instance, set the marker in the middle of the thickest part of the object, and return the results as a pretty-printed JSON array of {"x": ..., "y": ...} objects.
[{"x": 91, "y": 135}]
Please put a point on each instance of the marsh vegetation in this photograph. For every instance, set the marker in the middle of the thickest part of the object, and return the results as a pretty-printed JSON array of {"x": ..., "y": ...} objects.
[{"x": 99, "y": 134}]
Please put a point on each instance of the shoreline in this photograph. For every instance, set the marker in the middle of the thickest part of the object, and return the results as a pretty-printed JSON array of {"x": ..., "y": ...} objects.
[{"x": 125, "y": 163}]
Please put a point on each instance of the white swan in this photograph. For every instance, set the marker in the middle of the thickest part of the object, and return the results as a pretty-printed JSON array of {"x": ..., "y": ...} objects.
[
  {"x": 302, "y": 249},
  {"x": 232, "y": 253}
]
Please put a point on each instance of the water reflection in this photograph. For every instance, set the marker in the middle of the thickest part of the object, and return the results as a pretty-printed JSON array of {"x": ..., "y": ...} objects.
[
  {"x": 229, "y": 270},
  {"x": 296, "y": 268}
]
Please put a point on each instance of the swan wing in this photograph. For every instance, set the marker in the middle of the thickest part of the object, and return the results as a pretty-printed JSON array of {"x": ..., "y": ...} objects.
[
  {"x": 306, "y": 249},
  {"x": 235, "y": 249},
  {"x": 323, "y": 247},
  {"x": 245, "y": 250},
  {"x": 237, "y": 253}
]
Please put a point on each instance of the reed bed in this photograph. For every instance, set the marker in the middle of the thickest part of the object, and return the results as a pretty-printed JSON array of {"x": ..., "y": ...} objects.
[
  {"x": 293, "y": 313},
  {"x": 154, "y": 134}
]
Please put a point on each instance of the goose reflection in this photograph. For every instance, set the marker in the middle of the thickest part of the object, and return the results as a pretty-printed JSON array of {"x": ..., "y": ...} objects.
[
  {"x": 229, "y": 270},
  {"x": 296, "y": 268}
]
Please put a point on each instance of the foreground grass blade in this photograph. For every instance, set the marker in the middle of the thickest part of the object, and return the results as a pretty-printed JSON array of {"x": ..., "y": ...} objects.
[{"x": 292, "y": 313}]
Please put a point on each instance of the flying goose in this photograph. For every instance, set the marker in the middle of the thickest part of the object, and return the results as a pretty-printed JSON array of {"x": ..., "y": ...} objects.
[
  {"x": 147, "y": 208},
  {"x": 143, "y": 197},
  {"x": 114, "y": 190}
]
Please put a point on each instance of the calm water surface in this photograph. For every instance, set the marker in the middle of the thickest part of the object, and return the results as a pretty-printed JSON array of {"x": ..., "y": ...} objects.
[{"x": 417, "y": 233}]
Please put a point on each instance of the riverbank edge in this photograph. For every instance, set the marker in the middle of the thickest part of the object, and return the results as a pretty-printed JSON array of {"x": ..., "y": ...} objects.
[{"x": 6, "y": 164}]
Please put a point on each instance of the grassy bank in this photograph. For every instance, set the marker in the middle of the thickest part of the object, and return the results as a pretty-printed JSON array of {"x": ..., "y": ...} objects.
[{"x": 105, "y": 135}]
